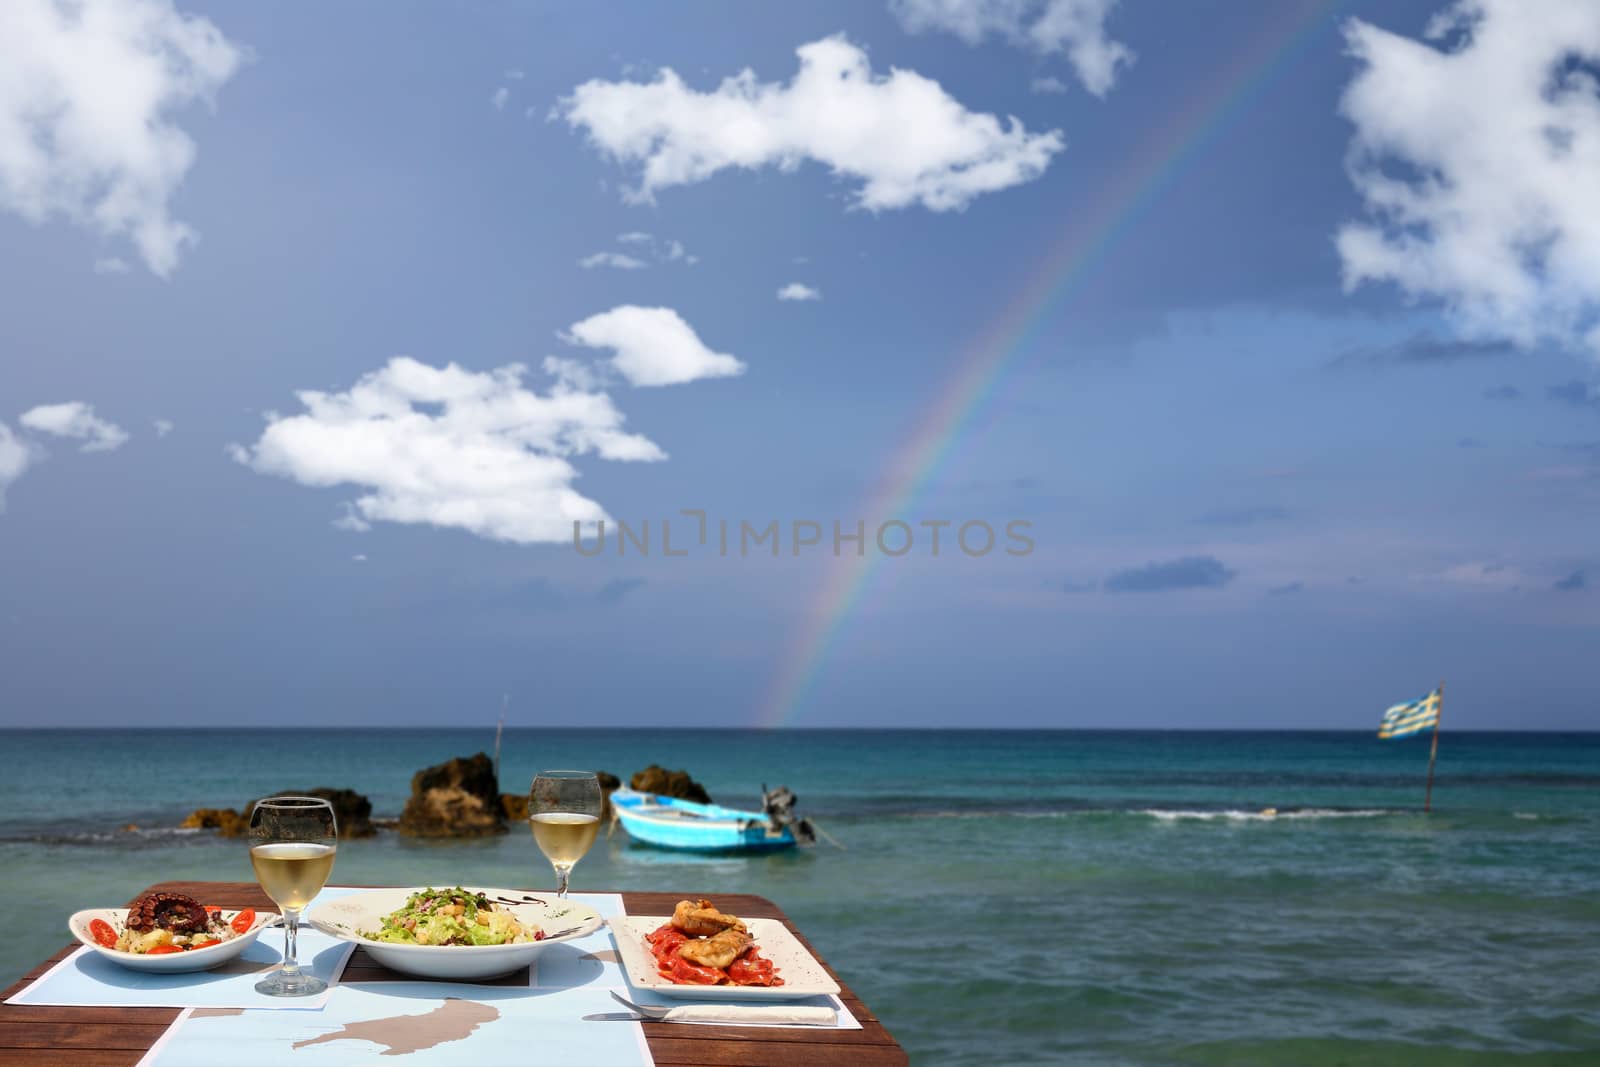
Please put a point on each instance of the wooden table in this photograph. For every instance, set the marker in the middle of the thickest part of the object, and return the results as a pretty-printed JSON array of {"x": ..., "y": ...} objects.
[{"x": 118, "y": 1037}]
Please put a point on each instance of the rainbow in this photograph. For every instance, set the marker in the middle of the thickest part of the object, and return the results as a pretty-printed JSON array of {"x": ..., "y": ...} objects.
[{"x": 1120, "y": 203}]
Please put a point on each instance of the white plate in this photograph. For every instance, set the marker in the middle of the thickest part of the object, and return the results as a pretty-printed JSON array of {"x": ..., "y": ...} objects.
[
  {"x": 560, "y": 920},
  {"x": 802, "y": 975},
  {"x": 196, "y": 959}
]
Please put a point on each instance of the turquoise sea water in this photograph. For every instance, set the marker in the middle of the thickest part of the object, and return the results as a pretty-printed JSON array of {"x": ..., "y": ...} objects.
[{"x": 1003, "y": 897}]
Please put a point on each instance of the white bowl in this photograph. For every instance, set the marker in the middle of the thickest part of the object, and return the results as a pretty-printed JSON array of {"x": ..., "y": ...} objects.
[
  {"x": 561, "y": 920},
  {"x": 196, "y": 959}
]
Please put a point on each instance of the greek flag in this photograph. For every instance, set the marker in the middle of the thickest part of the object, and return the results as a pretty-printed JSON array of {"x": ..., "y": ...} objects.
[{"x": 1403, "y": 720}]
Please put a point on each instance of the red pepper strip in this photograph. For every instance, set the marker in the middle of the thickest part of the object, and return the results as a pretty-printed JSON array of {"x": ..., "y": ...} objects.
[
  {"x": 685, "y": 973},
  {"x": 751, "y": 969}
]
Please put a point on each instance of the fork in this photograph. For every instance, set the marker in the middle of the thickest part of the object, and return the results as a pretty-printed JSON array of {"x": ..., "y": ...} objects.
[
  {"x": 753, "y": 1014},
  {"x": 643, "y": 1009}
]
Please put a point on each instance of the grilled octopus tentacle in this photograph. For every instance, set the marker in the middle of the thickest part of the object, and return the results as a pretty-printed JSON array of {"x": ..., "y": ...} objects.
[{"x": 176, "y": 912}]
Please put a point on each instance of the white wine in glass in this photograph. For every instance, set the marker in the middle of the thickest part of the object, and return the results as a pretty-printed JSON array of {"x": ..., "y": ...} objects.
[
  {"x": 564, "y": 812},
  {"x": 292, "y": 874},
  {"x": 293, "y": 841}
]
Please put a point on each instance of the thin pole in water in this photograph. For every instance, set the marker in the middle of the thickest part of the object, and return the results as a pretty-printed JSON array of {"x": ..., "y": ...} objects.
[
  {"x": 499, "y": 727},
  {"x": 1433, "y": 753}
]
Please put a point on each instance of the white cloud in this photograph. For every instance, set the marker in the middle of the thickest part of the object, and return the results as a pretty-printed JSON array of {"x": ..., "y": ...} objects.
[
  {"x": 88, "y": 95},
  {"x": 1048, "y": 85},
  {"x": 110, "y": 265},
  {"x": 901, "y": 135},
  {"x": 501, "y": 95},
  {"x": 163, "y": 426},
  {"x": 663, "y": 251},
  {"x": 612, "y": 259},
  {"x": 797, "y": 291},
  {"x": 1074, "y": 28},
  {"x": 350, "y": 522},
  {"x": 574, "y": 373},
  {"x": 446, "y": 446},
  {"x": 653, "y": 346},
  {"x": 15, "y": 456},
  {"x": 77, "y": 420},
  {"x": 1478, "y": 158}
]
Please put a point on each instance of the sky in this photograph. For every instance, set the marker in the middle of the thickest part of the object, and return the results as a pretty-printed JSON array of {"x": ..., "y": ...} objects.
[{"x": 1242, "y": 357}]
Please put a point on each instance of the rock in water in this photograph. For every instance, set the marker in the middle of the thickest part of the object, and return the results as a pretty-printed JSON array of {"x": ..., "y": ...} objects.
[
  {"x": 225, "y": 821},
  {"x": 458, "y": 798},
  {"x": 659, "y": 780},
  {"x": 515, "y": 805},
  {"x": 351, "y": 810},
  {"x": 609, "y": 783}
]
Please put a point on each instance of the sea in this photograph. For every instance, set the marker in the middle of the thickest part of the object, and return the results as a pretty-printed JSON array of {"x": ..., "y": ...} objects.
[{"x": 996, "y": 897}]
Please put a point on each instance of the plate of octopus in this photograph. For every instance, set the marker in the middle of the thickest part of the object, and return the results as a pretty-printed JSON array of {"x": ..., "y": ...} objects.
[
  {"x": 701, "y": 953},
  {"x": 169, "y": 932}
]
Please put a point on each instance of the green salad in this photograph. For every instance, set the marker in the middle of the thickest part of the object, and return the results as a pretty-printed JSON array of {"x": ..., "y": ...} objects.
[{"x": 452, "y": 917}]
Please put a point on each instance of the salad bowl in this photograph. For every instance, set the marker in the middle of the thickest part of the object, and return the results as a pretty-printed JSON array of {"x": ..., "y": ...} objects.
[
  {"x": 198, "y": 959},
  {"x": 352, "y": 917}
]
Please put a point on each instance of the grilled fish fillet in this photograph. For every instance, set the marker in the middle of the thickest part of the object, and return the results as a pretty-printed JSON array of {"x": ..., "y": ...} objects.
[
  {"x": 717, "y": 951},
  {"x": 702, "y": 919}
]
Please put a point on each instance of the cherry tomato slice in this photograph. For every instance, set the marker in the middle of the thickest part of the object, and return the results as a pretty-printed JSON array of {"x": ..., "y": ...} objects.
[
  {"x": 163, "y": 950},
  {"x": 103, "y": 934},
  {"x": 205, "y": 944},
  {"x": 212, "y": 909},
  {"x": 243, "y": 921}
]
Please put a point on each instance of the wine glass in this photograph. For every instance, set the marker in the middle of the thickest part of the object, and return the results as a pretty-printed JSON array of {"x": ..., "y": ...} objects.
[
  {"x": 564, "y": 811},
  {"x": 292, "y": 843}
]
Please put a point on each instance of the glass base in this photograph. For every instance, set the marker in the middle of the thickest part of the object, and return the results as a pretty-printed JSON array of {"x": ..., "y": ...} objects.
[{"x": 278, "y": 984}]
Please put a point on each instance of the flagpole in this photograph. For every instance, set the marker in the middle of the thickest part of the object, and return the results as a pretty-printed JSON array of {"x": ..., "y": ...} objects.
[{"x": 1433, "y": 753}]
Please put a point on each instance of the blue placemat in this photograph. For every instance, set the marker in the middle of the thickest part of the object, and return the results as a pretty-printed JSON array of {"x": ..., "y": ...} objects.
[
  {"x": 86, "y": 978},
  {"x": 588, "y": 961},
  {"x": 418, "y": 1024}
]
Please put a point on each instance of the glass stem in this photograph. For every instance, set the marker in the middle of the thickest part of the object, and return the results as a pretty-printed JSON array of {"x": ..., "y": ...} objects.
[
  {"x": 291, "y": 928},
  {"x": 562, "y": 874}
]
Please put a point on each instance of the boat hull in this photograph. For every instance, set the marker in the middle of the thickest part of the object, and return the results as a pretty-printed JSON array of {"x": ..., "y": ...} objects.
[{"x": 684, "y": 826}]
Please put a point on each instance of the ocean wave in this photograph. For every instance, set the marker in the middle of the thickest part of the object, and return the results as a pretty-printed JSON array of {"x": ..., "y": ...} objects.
[
  {"x": 1267, "y": 814},
  {"x": 1167, "y": 814},
  {"x": 99, "y": 837}
]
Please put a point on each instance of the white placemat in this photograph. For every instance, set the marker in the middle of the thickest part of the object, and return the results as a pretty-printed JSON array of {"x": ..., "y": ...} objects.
[
  {"x": 420, "y": 1024},
  {"x": 846, "y": 1021}
]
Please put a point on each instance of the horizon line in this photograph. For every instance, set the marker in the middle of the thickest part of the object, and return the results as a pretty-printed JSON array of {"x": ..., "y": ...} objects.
[{"x": 794, "y": 729}]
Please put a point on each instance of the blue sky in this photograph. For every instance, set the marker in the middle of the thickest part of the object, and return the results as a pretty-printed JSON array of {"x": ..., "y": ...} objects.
[{"x": 1257, "y": 496}]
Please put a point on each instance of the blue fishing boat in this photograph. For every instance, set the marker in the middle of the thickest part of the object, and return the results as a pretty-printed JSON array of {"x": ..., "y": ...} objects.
[{"x": 668, "y": 822}]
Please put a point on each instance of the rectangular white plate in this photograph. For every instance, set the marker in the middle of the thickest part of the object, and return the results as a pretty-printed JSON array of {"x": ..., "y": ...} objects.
[{"x": 802, "y": 975}]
